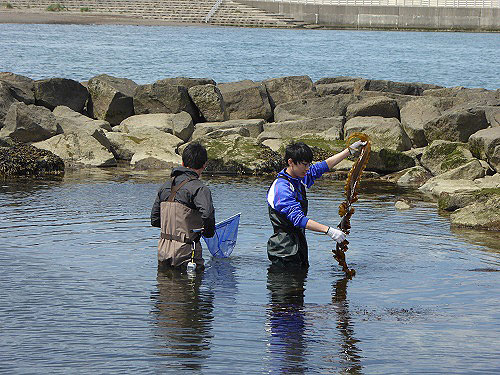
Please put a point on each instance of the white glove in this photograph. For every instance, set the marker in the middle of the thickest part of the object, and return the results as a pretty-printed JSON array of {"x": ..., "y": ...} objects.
[
  {"x": 336, "y": 234},
  {"x": 355, "y": 146}
]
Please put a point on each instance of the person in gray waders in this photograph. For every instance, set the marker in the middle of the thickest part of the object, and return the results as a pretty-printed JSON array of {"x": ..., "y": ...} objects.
[
  {"x": 183, "y": 205},
  {"x": 287, "y": 204}
]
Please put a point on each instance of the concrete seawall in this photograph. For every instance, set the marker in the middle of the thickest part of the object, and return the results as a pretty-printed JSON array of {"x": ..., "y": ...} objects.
[{"x": 387, "y": 17}]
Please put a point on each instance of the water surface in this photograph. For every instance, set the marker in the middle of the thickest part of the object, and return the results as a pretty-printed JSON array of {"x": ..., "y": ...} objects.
[{"x": 81, "y": 292}]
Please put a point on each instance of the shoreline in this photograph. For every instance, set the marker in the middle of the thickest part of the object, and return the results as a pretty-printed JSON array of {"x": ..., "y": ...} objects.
[{"x": 17, "y": 16}]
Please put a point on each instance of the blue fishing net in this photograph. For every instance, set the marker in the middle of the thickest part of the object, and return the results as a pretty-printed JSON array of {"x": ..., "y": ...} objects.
[{"x": 221, "y": 245}]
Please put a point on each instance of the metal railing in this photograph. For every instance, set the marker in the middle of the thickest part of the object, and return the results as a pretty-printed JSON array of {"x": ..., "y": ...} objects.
[
  {"x": 407, "y": 3},
  {"x": 212, "y": 11}
]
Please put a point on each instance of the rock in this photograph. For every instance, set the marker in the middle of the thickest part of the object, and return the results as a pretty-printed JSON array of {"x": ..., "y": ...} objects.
[
  {"x": 209, "y": 101},
  {"x": 29, "y": 123},
  {"x": 338, "y": 79},
  {"x": 377, "y": 106},
  {"x": 414, "y": 115},
  {"x": 455, "y": 125},
  {"x": 328, "y": 106},
  {"x": 26, "y": 160},
  {"x": 22, "y": 88},
  {"x": 413, "y": 176},
  {"x": 335, "y": 88},
  {"x": 290, "y": 129},
  {"x": 126, "y": 145},
  {"x": 188, "y": 82},
  {"x": 494, "y": 159},
  {"x": 402, "y": 205},
  {"x": 483, "y": 144},
  {"x": 155, "y": 159},
  {"x": 472, "y": 170},
  {"x": 388, "y": 161},
  {"x": 179, "y": 124},
  {"x": 273, "y": 144},
  {"x": 254, "y": 127},
  {"x": 483, "y": 214},
  {"x": 384, "y": 132},
  {"x": 265, "y": 135},
  {"x": 246, "y": 100},
  {"x": 53, "y": 92},
  {"x": 403, "y": 88},
  {"x": 79, "y": 150},
  {"x": 442, "y": 156},
  {"x": 492, "y": 115},
  {"x": 74, "y": 122},
  {"x": 6, "y": 100},
  {"x": 110, "y": 98},
  {"x": 454, "y": 201},
  {"x": 240, "y": 155},
  {"x": 438, "y": 186},
  {"x": 164, "y": 96},
  {"x": 286, "y": 89}
]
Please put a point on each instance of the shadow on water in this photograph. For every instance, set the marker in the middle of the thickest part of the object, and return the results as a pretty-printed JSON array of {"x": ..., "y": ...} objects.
[
  {"x": 183, "y": 319},
  {"x": 286, "y": 317}
]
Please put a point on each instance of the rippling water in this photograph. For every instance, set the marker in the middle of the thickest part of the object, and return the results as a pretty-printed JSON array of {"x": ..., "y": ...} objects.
[
  {"x": 146, "y": 54},
  {"x": 80, "y": 291}
]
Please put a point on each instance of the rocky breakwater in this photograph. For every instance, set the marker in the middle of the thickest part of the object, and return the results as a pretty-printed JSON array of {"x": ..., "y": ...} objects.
[{"x": 444, "y": 141}]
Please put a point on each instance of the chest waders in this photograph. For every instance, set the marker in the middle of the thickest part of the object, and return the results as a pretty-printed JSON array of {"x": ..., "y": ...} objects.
[
  {"x": 178, "y": 244},
  {"x": 288, "y": 245}
]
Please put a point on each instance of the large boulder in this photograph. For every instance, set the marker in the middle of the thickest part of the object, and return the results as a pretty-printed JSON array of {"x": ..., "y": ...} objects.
[
  {"x": 438, "y": 186},
  {"x": 377, "y": 106},
  {"x": 335, "y": 88},
  {"x": 289, "y": 129},
  {"x": 388, "y": 161},
  {"x": 328, "y": 106},
  {"x": 483, "y": 144},
  {"x": 442, "y": 156},
  {"x": 404, "y": 88},
  {"x": 74, "y": 122},
  {"x": 337, "y": 79},
  {"x": 6, "y": 100},
  {"x": 470, "y": 171},
  {"x": 414, "y": 176},
  {"x": 384, "y": 132},
  {"x": 240, "y": 155},
  {"x": 26, "y": 160},
  {"x": 188, "y": 82},
  {"x": 53, "y": 92},
  {"x": 22, "y": 88},
  {"x": 415, "y": 114},
  {"x": 209, "y": 101},
  {"x": 29, "y": 123},
  {"x": 455, "y": 125},
  {"x": 483, "y": 213},
  {"x": 287, "y": 89},
  {"x": 110, "y": 98},
  {"x": 164, "y": 96},
  {"x": 246, "y": 100},
  {"x": 249, "y": 128},
  {"x": 79, "y": 150},
  {"x": 179, "y": 124},
  {"x": 154, "y": 141}
]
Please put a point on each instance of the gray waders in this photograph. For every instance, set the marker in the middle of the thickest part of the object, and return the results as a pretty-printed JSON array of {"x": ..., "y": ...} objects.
[
  {"x": 178, "y": 245},
  {"x": 287, "y": 247}
]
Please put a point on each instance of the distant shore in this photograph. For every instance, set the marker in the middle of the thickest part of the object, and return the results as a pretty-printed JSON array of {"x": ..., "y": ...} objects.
[{"x": 27, "y": 16}]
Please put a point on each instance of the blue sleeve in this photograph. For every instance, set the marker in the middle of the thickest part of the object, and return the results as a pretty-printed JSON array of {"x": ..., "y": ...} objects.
[
  {"x": 315, "y": 171},
  {"x": 282, "y": 198}
]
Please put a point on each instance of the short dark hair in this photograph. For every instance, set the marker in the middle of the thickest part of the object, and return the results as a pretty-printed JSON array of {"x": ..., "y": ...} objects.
[
  {"x": 194, "y": 156},
  {"x": 298, "y": 152}
]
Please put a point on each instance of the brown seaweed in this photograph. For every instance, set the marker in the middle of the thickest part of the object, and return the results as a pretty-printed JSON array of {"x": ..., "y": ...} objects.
[{"x": 351, "y": 195}]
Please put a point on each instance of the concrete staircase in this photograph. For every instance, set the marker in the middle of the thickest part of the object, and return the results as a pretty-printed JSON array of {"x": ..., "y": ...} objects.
[{"x": 229, "y": 13}]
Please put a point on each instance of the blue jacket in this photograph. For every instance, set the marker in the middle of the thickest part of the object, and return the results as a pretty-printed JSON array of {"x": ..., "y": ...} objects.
[{"x": 281, "y": 194}]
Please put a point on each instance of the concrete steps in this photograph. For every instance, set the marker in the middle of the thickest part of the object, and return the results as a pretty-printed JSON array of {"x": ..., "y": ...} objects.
[{"x": 230, "y": 13}]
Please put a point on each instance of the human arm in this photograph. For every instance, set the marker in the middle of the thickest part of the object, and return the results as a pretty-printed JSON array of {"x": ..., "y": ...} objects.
[
  {"x": 335, "y": 234},
  {"x": 155, "y": 212},
  {"x": 202, "y": 199}
]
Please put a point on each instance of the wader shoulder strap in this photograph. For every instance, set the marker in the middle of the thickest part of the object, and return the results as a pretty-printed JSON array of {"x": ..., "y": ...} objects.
[{"x": 176, "y": 188}]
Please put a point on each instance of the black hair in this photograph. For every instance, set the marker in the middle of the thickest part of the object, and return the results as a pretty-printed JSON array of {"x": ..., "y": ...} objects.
[
  {"x": 298, "y": 152},
  {"x": 194, "y": 156}
]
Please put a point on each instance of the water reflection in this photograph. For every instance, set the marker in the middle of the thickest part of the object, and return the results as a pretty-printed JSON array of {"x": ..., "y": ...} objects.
[
  {"x": 349, "y": 354},
  {"x": 183, "y": 319},
  {"x": 286, "y": 321}
]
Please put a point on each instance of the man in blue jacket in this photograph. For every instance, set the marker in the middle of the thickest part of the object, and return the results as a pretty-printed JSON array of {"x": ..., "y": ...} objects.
[{"x": 287, "y": 203}]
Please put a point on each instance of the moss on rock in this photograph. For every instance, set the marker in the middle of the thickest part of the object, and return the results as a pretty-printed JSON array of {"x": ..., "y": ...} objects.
[{"x": 27, "y": 160}]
